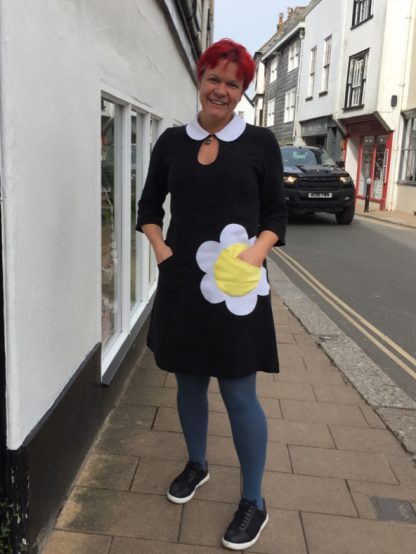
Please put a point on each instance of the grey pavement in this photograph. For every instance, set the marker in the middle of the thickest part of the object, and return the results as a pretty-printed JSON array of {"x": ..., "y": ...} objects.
[{"x": 337, "y": 478}]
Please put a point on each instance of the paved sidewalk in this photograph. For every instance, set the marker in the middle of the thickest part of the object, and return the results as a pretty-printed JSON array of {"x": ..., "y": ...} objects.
[
  {"x": 328, "y": 455},
  {"x": 393, "y": 216}
]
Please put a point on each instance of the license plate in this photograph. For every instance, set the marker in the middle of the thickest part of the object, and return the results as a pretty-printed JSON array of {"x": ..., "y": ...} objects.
[{"x": 319, "y": 194}]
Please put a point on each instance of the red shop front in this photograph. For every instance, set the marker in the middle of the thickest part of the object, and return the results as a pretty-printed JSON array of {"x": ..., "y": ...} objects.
[{"x": 372, "y": 144}]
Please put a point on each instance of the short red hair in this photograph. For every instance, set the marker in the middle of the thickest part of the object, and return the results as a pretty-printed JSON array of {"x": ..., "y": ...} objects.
[{"x": 227, "y": 49}]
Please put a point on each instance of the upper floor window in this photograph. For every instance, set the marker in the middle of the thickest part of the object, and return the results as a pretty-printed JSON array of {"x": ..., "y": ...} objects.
[
  {"x": 290, "y": 100},
  {"x": 312, "y": 64},
  {"x": 294, "y": 50},
  {"x": 356, "y": 79},
  {"x": 326, "y": 63},
  {"x": 270, "y": 113},
  {"x": 361, "y": 11},
  {"x": 273, "y": 70}
]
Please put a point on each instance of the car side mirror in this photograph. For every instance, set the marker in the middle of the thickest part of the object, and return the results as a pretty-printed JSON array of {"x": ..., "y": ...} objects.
[{"x": 341, "y": 164}]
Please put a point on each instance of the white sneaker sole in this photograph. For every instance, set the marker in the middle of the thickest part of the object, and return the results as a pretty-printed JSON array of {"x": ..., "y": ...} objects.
[
  {"x": 245, "y": 545},
  {"x": 177, "y": 500}
]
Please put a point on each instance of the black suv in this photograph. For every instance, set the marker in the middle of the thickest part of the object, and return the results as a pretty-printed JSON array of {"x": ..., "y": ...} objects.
[{"x": 315, "y": 183}]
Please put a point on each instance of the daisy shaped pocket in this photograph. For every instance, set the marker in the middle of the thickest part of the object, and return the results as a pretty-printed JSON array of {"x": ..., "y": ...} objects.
[{"x": 227, "y": 278}]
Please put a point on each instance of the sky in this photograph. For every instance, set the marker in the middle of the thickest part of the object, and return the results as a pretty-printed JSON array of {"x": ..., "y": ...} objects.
[{"x": 250, "y": 22}]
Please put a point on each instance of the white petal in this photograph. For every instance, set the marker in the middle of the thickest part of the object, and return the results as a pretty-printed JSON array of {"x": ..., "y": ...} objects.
[
  {"x": 252, "y": 241},
  {"x": 207, "y": 255},
  {"x": 233, "y": 233},
  {"x": 210, "y": 291},
  {"x": 263, "y": 287},
  {"x": 241, "y": 305}
]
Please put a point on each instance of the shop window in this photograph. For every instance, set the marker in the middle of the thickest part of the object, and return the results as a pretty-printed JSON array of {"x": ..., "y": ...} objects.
[
  {"x": 326, "y": 64},
  {"x": 128, "y": 266},
  {"x": 294, "y": 51},
  {"x": 361, "y": 11},
  {"x": 312, "y": 64},
  {"x": 408, "y": 161},
  {"x": 356, "y": 80},
  {"x": 290, "y": 100}
]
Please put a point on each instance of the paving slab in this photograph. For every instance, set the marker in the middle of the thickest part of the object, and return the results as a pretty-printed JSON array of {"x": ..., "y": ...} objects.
[
  {"x": 324, "y": 462},
  {"x": 322, "y": 412},
  {"x": 306, "y": 493},
  {"x": 205, "y": 523},
  {"x": 140, "y": 546},
  {"x": 365, "y": 440},
  {"x": 328, "y": 535},
  {"x": 301, "y": 433},
  {"x": 108, "y": 471},
  {"x": 65, "y": 542},
  {"x": 121, "y": 514}
]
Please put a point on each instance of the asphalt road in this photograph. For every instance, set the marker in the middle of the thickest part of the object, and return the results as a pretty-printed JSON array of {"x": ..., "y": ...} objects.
[{"x": 371, "y": 267}]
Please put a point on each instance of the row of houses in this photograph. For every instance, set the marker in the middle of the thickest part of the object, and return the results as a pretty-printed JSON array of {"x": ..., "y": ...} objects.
[
  {"x": 86, "y": 88},
  {"x": 342, "y": 75}
]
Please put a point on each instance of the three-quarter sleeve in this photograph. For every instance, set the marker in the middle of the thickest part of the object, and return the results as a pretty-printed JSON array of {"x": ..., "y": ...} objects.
[
  {"x": 150, "y": 206},
  {"x": 273, "y": 209}
]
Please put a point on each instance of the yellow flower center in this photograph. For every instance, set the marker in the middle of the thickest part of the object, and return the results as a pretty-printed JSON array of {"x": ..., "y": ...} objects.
[{"x": 233, "y": 276}]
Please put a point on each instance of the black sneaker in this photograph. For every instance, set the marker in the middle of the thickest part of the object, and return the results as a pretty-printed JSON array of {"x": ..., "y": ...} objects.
[
  {"x": 244, "y": 530},
  {"x": 183, "y": 487}
]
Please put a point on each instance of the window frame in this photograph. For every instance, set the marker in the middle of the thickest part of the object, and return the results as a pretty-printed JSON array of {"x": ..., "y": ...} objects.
[
  {"x": 290, "y": 104},
  {"x": 293, "y": 55},
  {"x": 273, "y": 69},
  {"x": 312, "y": 71},
  {"x": 357, "y": 12},
  {"x": 270, "y": 112},
  {"x": 407, "y": 150},
  {"x": 350, "y": 89},
  {"x": 326, "y": 63},
  {"x": 130, "y": 315}
]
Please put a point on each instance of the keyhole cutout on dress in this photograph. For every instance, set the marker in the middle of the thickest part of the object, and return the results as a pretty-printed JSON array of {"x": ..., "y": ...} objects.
[{"x": 208, "y": 153}]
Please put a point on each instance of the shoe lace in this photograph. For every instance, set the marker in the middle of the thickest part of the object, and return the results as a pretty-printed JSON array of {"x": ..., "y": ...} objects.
[
  {"x": 243, "y": 515},
  {"x": 188, "y": 473}
]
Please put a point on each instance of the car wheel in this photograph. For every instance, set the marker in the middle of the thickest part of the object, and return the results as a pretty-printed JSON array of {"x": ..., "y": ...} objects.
[{"x": 346, "y": 216}]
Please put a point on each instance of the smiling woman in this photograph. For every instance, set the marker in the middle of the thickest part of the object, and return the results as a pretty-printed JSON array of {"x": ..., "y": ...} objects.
[{"x": 212, "y": 313}]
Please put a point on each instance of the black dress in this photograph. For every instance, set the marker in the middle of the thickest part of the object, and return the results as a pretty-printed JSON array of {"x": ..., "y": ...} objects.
[{"x": 212, "y": 312}]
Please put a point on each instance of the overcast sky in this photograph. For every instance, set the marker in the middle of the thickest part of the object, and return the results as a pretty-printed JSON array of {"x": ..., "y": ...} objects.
[{"x": 250, "y": 22}]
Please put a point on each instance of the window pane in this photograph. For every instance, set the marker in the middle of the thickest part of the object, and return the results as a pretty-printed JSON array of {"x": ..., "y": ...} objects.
[
  {"x": 110, "y": 220},
  {"x": 136, "y": 122}
]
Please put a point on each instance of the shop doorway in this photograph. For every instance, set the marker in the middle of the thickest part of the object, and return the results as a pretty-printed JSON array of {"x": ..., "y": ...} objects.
[{"x": 373, "y": 168}]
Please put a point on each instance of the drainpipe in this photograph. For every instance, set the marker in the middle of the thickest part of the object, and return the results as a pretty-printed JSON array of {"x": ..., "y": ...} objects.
[{"x": 296, "y": 121}]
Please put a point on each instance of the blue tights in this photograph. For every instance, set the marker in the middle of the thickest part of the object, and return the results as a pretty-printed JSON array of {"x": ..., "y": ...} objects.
[{"x": 248, "y": 425}]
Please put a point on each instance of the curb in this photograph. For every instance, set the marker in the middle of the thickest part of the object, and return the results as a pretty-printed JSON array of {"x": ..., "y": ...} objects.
[
  {"x": 385, "y": 220},
  {"x": 396, "y": 409}
]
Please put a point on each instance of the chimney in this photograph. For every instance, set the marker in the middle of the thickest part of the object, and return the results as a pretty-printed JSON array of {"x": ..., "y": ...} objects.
[
  {"x": 289, "y": 12},
  {"x": 281, "y": 16}
]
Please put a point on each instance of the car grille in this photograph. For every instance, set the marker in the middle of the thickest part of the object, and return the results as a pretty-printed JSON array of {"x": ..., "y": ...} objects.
[{"x": 319, "y": 182}]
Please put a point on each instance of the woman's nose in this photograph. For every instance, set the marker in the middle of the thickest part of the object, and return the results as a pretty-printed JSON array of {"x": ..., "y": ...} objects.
[{"x": 220, "y": 88}]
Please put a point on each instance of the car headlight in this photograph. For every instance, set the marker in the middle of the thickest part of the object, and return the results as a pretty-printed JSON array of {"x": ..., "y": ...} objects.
[
  {"x": 290, "y": 179},
  {"x": 345, "y": 179}
]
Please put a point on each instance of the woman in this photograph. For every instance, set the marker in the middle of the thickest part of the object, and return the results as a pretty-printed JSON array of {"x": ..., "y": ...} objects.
[{"x": 212, "y": 313}]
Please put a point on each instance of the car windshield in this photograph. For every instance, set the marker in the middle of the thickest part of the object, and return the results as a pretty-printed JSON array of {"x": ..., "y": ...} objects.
[{"x": 305, "y": 156}]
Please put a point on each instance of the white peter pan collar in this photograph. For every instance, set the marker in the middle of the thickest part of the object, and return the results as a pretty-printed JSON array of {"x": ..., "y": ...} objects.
[{"x": 234, "y": 129}]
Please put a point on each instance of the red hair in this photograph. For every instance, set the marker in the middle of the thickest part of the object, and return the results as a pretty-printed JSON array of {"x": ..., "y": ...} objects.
[{"x": 227, "y": 49}]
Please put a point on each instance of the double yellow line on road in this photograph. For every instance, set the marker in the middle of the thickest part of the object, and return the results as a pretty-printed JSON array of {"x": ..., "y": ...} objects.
[{"x": 389, "y": 348}]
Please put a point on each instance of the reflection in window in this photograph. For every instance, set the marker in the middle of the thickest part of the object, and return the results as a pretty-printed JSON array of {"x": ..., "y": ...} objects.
[
  {"x": 110, "y": 233},
  {"x": 135, "y": 181},
  {"x": 409, "y": 152}
]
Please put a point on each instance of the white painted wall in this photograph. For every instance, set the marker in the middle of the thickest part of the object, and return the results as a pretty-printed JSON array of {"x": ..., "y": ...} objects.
[
  {"x": 56, "y": 57},
  {"x": 247, "y": 108},
  {"x": 325, "y": 19},
  {"x": 367, "y": 35}
]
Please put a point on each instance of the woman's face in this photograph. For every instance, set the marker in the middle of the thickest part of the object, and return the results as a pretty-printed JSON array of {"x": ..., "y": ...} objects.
[{"x": 220, "y": 91}]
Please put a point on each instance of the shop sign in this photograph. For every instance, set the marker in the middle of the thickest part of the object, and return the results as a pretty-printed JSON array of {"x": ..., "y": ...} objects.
[{"x": 315, "y": 127}]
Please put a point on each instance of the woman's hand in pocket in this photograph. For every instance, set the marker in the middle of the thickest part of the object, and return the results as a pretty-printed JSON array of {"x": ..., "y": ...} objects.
[
  {"x": 163, "y": 253},
  {"x": 253, "y": 256}
]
